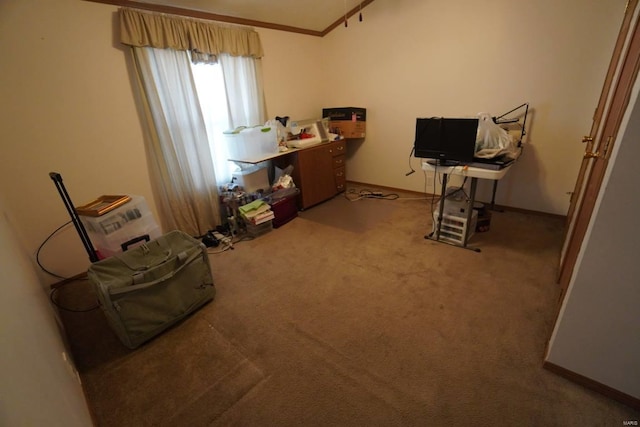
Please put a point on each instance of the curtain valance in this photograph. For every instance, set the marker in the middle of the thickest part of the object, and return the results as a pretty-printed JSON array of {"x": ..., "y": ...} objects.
[{"x": 203, "y": 39}]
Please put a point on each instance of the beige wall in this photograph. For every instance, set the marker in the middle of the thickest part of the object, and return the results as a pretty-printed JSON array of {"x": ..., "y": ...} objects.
[
  {"x": 294, "y": 78},
  {"x": 40, "y": 385},
  {"x": 68, "y": 104},
  {"x": 415, "y": 58}
]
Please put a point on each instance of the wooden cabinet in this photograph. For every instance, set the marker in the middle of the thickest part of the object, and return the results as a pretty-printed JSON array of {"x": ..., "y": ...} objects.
[{"x": 320, "y": 172}]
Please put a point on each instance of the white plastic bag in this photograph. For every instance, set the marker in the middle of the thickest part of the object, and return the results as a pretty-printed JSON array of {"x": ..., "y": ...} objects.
[
  {"x": 492, "y": 140},
  {"x": 281, "y": 132}
]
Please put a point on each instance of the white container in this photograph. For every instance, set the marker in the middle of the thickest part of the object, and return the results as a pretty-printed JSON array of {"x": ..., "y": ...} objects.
[
  {"x": 133, "y": 234},
  {"x": 252, "y": 179},
  {"x": 252, "y": 143},
  {"x": 260, "y": 229},
  {"x": 116, "y": 219},
  {"x": 454, "y": 207},
  {"x": 454, "y": 227},
  {"x": 131, "y": 221}
]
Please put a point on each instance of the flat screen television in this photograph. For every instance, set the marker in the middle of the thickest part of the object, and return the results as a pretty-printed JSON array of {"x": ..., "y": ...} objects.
[{"x": 450, "y": 141}]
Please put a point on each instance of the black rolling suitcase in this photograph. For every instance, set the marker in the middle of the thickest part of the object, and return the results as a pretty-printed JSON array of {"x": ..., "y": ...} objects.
[{"x": 146, "y": 290}]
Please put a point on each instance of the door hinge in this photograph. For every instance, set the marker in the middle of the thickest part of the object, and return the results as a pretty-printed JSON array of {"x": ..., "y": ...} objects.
[{"x": 591, "y": 155}]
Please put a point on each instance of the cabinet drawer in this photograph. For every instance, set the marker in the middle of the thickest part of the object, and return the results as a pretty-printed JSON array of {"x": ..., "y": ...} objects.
[
  {"x": 338, "y": 148},
  {"x": 340, "y": 176},
  {"x": 339, "y": 161}
]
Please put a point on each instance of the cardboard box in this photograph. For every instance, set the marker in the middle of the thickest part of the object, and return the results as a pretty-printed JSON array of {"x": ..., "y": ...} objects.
[
  {"x": 348, "y": 129},
  {"x": 355, "y": 114}
]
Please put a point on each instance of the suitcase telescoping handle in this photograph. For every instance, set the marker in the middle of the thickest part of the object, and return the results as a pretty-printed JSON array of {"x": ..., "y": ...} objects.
[{"x": 82, "y": 232}]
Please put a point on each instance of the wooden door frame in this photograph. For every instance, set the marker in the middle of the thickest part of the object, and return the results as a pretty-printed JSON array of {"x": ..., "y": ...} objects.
[{"x": 613, "y": 103}]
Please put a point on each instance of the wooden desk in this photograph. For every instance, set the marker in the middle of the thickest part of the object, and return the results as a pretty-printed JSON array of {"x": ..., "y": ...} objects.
[{"x": 474, "y": 174}]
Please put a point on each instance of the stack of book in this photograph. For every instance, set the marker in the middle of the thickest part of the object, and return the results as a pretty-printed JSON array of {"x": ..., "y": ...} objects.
[{"x": 256, "y": 212}]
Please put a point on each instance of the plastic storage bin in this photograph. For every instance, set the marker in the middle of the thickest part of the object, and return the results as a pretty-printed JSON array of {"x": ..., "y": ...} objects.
[
  {"x": 122, "y": 228},
  {"x": 252, "y": 143},
  {"x": 284, "y": 208},
  {"x": 143, "y": 230},
  {"x": 260, "y": 229},
  {"x": 252, "y": 179},
  {"x": 454, "y": 227},
  {"x": 116, "y": 219}
]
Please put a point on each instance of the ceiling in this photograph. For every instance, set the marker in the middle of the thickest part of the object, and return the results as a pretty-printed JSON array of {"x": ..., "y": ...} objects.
[{"x": 304, "y": 16}]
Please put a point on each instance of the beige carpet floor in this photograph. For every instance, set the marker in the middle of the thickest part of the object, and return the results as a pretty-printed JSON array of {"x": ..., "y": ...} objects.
[
  {"x": 322, "y": 323},
  {"x": 349, "y": 214}
]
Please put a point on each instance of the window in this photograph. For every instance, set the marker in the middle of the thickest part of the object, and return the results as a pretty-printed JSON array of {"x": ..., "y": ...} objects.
[
  {"x": 183, "y": 167},
  {"x": 213, "y": 102},
  {"x": 230, "y": 96}
]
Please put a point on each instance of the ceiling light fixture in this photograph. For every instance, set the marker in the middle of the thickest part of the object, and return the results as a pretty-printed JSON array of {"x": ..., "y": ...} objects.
[
  {"x": 346, "y": 23},
  {"x": 346, "y": 14}
]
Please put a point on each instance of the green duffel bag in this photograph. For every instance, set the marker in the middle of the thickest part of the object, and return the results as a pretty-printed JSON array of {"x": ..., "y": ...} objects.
[{"x": 145, "y": 290}]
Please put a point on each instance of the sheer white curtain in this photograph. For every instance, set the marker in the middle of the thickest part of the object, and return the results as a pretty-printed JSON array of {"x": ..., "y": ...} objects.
[
  {"x": 181, "y": 164},
  {"x": 231, "y": 95},
  {"x": 242, "y": 79}
]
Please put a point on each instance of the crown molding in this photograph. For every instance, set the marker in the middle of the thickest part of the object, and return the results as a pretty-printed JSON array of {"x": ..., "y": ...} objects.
[{"x": 231, "y": 19}]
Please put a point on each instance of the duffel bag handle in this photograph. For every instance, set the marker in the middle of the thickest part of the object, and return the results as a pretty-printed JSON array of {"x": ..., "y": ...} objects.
[
  {"x": 138, "y": 279},
  {"x": 146, "y": 256}
]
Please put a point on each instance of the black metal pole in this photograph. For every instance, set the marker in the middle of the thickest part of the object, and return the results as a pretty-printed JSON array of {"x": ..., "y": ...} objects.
[{"x": 82, "y": 232}]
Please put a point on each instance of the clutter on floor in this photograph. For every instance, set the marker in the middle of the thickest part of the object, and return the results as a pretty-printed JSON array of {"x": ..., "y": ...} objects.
[{"x": 252, "y": 207}]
